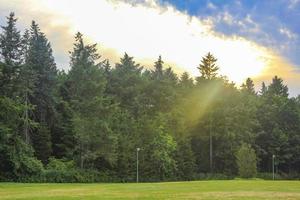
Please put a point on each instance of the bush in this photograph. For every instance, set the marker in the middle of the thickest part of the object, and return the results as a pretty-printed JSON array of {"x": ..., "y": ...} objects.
[
  {"x": 212, "y": 176},
  {"x": 268, "y": 176},
  {"x": 30, "y": 166},
  {"x": 60, "y": 164},
  {"x": 279, "y": 176},
  {"x": 77, "y": 176},
  {"x": 246, "y": 161}
]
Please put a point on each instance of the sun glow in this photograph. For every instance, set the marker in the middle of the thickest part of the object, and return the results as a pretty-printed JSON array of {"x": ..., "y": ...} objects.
[{"x": 147, "y": 30}]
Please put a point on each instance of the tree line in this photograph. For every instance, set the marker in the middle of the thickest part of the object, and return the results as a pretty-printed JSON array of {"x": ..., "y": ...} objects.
[{"x": 86, "y": 124}]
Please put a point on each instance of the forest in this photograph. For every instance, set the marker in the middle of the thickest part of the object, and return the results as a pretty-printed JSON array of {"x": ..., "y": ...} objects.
[{"x": 85, "y": 124}]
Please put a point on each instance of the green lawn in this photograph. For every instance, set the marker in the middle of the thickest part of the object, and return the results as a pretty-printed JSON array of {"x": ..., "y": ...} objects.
[{"x": 236, "y": 189}]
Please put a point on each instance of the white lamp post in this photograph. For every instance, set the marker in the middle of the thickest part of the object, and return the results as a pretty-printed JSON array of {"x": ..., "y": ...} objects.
[
  {"x": 137, "y": 164},
  {"x": 273, "y": 166}
]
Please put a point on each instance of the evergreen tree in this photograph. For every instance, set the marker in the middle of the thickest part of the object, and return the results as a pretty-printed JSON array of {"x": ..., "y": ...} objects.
[
  {"x": 107, "y": 68},
  {"x": 185, "y": 160},
  {"x": 263, "y": 89},
  {"x": 248, "y": 86},
  {"x": 10, "y": 41},
  {"x": 63, "y": 138},
  {"x": 10, "y": 52},
  {"x": 92, "y": 110},
  {"x": 158, "y": 69},
  {"x": 185, "y": 81},
  {"x": 208, "y": 67},
  {"x": 40, "y": 60},
  {"x": 127, "y": 84},
  {"x": 277, "y": 87}
]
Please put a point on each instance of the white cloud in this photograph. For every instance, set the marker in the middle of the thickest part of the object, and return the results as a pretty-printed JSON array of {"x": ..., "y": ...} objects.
[
  {"x": 293, "y": 3},
  {"x": 211, "y": 6},
  {"x": 289, "y": 34},
  {"x": 146, "y": 30}
]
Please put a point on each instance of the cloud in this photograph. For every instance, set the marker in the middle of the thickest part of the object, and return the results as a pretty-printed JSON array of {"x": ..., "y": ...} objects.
[
  {"x": 211, "y": 6},
  {"x": 293, "y": 3},
  {"x": 147, "y": 29},
  {"x": 289, "y": 34},
  {"x": 284, "y": 69}
]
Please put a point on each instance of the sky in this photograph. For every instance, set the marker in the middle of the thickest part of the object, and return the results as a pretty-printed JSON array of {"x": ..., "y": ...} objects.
[{"x": 253, "y": 38}]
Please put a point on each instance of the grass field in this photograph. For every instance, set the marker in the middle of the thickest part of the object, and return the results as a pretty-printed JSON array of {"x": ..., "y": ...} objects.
[{"x": 236, "y": 189}]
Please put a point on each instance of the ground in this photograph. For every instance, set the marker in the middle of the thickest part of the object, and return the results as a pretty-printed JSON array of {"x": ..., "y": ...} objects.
[{"x": 210, "y": 190}]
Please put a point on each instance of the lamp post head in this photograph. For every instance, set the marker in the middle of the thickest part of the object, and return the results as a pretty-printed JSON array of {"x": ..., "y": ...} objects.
[
  {"x": 138, "y": 149},
  {"x": 273, "y": 156}
]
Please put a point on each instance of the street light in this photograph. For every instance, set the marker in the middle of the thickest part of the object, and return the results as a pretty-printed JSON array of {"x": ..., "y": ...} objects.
[
  {"x": 137, "y": 164},
  {"x": 273, "y": 166}
]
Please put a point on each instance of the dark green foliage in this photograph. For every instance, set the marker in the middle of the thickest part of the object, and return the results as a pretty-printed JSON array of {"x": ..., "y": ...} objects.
[
  {"x": 93, "y": 112},
  {"x": 277, "y": 88},
  {"x": 62, "y": 132},
  {"x": 60, "y": 165},
  {"x": 185, "y": 161},
  {"x": 41, "y": 143},
  {"x": 10, "y": 42},
  {"x": 85, "y": 125},
  {"x": 41, "y": 63}
]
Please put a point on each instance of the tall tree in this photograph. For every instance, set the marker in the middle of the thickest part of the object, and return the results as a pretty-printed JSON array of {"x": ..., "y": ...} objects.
[
  {"x": 92, "y": 110},
  {"x": 186, "y": 81},
  {"x": 263, "y": 89},
  {"x": 278, "y": 88},
  {"x": 248, "y": 86},
  {"x": 63, "y": 138},
  {"x": 10, "y": 41},
  {"x": 126, "y": 84},
  {"x": 40, "y": 59},
  {"x": 158, "y": 69},
  {"x": 10, "y": 53},
  {"x": 208, "y": 67}
]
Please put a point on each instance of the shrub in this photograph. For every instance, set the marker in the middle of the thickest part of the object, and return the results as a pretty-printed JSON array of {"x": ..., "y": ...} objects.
[
  {"x": 212, "y": 176},
  {"x": 246, "y": 161},
  {"x": 30, "y": 166},
  {"x": 60, "y": 164},
  {"x": 78, "y": 176}
]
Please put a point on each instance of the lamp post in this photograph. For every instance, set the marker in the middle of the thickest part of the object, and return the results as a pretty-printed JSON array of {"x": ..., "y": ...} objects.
[
  {"x": 273, "y": 166},
  {"x": 137, "y": 164},
  {"x": 210, "y": 152}
]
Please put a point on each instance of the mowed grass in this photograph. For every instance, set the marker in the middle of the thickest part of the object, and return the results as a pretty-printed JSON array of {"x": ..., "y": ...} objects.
[{"x": 210, "y": 190}]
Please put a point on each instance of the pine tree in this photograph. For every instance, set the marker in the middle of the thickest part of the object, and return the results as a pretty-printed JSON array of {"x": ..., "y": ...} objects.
[
  {"x": 208, "y": 67},
  {"x": 186, "y": 81},
  {"x": 185, "y": 160},
  {"x": 107, "y": 68},
  {"x": 263, "y": 89},
  {"x": 10, "y": 52},
  {"x": 41, "y": 62},
  {"x": 278, "y": 88},
  {"x": 170, "y": 76},
  {"x": 127, "y": 84},
  {"x": 10, "y": 41},
  {"x": 92, "y": 110},
  {"x": 62, "y": 136},
  {"x": 158, "y": 69},
  {"x": 27, "y": 79},
  {"x": 249, "y": 86}
]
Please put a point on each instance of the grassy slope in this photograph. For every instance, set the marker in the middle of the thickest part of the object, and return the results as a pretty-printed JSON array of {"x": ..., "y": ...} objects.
[{"x": 239, "y": 189}]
